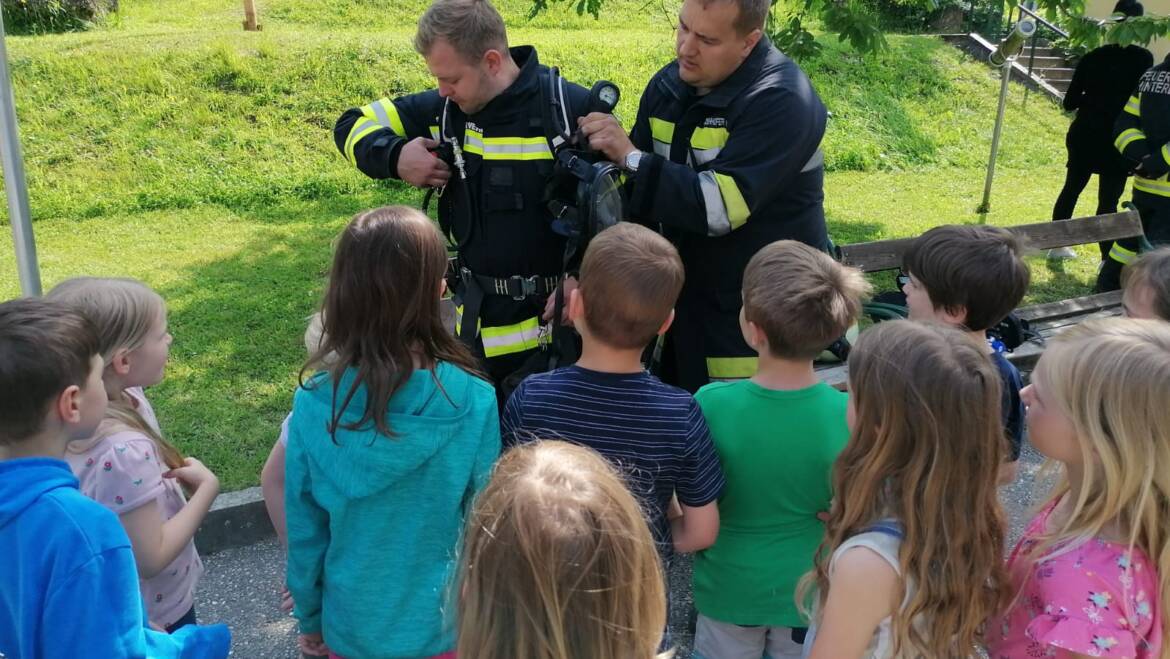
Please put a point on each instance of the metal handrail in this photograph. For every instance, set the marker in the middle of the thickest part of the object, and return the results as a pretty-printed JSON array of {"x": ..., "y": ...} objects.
[{"x": 1032, "y": 44}]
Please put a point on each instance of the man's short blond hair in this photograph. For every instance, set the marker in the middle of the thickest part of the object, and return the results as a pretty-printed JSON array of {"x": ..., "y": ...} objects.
[
  {"x": 630, "y": 280},
  {"x": 472, "y": 27},
  {"x": 801, "y": 298}
]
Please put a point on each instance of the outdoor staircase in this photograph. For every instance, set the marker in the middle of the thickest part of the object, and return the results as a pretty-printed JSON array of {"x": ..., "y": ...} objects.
[
  {"x": 1051, "y": 65},
  {"x": 1050, "y": 71}
]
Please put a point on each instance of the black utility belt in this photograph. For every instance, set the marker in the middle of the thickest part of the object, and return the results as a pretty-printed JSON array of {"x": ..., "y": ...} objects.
[{"x": 517, "y": 287}]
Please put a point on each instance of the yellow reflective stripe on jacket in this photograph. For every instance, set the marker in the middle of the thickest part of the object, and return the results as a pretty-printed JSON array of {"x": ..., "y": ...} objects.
[
  {"x": 509, "y": 339},
  {"x": 731, "y": 368},
  {"x": 1166, "y": 153},
  {"x": 359, "y": 130},
  {"x": 1122, "y": 255},
  {"x": 379, "y": 114},
  {"x": 737, "y": 208},
  {"x": 709, "y": 138},
  {"x": 724, "y": 203},
  {"x": 662, "y": 132},
  {"x": 1134, "y": 106},
  {"x": 505, "y": 339},
  {"x": 384, "y": 112},
  {"x": 1127, "y": 137},
  {"x": 1160, "y": 186},
  {"x": 459, "y": 320},
  {"x": 506, "y": 148}
]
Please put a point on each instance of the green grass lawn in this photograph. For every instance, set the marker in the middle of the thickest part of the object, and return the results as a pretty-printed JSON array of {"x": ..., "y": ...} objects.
[{"x": 169, "y": 145}]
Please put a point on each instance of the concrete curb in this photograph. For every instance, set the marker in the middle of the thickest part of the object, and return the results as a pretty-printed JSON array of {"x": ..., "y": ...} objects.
[{"x": 235, "y": 520}]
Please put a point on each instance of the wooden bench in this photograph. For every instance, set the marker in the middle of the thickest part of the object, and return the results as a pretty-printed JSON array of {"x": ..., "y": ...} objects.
[{"x": 1045, "y": 319}]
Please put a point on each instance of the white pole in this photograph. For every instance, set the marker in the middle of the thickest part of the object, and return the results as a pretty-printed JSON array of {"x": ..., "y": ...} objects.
[{"x": 14, "y": 183}]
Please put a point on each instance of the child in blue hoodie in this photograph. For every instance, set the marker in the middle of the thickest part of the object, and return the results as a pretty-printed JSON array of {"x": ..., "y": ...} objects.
[
  {"x": 390, "y": 439},
  {"x": 70, "y": 586}
]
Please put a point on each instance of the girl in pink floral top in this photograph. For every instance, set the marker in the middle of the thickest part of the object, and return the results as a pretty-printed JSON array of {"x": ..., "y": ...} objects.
[
  {"x": 127, "y": 465},
  {"x": 1091, "y": 572}
]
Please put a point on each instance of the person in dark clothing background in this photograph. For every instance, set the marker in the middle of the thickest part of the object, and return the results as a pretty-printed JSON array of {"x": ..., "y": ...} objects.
[{"x": 1102, "y": 82}]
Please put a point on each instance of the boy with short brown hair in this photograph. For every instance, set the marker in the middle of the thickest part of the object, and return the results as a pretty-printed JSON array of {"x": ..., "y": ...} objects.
[
  {"x": 971, "y": 276},
  {"x": 655, "y": 433},
  {"x": 777, "y": 436}
]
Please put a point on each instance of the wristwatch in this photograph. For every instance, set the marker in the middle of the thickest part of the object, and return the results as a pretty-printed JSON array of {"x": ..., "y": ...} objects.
[{"x": 633, "y": 158}]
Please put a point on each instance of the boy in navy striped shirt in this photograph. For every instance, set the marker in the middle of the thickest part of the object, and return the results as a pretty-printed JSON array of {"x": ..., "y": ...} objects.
[{"x": 655, "y": 433}]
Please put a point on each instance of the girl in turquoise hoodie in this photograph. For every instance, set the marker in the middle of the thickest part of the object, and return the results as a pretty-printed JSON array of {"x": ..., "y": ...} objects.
[{"x": 390, "y": 439}]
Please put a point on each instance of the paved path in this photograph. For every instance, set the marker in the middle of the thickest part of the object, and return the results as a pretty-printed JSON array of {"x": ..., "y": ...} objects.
[{"x": 240, "y": 587}]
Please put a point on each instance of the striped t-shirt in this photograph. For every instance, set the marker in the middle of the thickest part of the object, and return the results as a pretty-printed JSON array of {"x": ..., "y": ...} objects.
[{"x": 653, "y": 432}]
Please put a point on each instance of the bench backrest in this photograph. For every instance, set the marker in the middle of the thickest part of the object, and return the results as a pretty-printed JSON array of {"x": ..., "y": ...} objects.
[{"x": 882, "y": 255}]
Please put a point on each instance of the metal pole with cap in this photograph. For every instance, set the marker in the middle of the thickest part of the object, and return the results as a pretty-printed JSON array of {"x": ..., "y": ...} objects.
[
  {"x": 1003, "y": 56},
  {"x": 14, "y": 183}
]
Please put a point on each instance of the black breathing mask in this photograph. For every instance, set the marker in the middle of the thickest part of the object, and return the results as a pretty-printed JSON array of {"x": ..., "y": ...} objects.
[{"x": 584, "y": 193}]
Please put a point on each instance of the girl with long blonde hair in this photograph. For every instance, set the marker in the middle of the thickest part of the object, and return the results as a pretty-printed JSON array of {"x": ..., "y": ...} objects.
[
  {"x": 558, "y": 563},
  {"x": 911, "y": 564},
  {"x": 128, "y": 465},
  {"x": 1092, "y": 572}
]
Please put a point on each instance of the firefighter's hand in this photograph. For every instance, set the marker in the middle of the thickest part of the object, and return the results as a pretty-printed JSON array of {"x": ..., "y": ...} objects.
[
  {"x": 421, "y": 168},
  {"x": 606, "y": 135},
  {"x": 569, "y": 284}
]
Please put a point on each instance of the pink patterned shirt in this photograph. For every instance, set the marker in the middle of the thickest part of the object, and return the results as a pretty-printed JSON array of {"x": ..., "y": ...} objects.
[
  {"x": 1097, "y": 599},
  {"x": 120, "y": 469}
]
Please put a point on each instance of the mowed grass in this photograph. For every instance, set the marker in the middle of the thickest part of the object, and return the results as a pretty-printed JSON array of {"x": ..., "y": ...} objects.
[{"x": 171, "y": 146}]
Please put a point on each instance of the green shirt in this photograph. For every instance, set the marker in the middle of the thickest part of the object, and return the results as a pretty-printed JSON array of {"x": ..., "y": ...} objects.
[{"x": 777, "y": 449}]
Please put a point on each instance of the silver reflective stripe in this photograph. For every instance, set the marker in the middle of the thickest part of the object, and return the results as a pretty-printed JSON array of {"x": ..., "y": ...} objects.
[
  {"x": 517, "y": 149},
  {"x": 380, "y": 112},
  {"x": 662, "y": 149},
  {"x": 815, "y": 161},
  {"x": 473, "y": 140},
  {"x": 718, "y": 224},
  {"x": 704, "y": 156}
]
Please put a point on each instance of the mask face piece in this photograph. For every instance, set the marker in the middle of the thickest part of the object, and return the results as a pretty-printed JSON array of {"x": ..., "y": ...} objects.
[{"x": 605, "y": 202}]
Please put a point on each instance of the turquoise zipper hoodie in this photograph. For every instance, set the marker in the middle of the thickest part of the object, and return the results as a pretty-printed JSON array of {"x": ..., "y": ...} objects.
[{"x": 374, "y": 521}]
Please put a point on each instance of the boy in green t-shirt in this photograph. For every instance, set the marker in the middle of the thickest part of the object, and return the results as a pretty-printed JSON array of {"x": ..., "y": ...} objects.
[{"x": 777, "y": 436}]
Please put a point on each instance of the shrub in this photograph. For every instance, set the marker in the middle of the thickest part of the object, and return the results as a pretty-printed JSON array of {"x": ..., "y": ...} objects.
[{"x": 38, "y": 16}]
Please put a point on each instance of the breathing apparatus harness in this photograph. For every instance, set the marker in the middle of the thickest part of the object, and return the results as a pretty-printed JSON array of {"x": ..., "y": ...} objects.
[{"x": 583, "y": 194}]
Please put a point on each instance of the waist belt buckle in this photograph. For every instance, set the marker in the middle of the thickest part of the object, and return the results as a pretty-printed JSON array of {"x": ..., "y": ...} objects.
[{"x": 527, "y": 286}]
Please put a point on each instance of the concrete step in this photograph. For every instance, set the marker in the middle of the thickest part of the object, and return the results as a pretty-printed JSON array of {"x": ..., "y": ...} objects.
[
  {"x": 1042, "y": 62},
  {"x": 1051, "y": 75}
]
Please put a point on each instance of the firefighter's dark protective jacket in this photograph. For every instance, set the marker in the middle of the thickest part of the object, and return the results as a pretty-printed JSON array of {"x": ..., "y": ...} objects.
[
  {"x": 1142, "y": 135},
  {"x": 504, "y": 228},
  {"x": 735, "y": 169},
  {"x": 724, "y": 174}
]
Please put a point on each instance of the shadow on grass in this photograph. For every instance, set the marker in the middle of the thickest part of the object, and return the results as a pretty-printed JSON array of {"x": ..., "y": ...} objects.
[{"x": 238, "y": 323}]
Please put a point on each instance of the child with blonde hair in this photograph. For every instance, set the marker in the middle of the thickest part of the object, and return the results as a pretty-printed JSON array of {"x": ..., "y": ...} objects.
[
  {"x": 1092, "y": 572},
  {"x": 393, "y": 432},
  {"x": 911, "y": 564},
  {"x": 558, "y": 563},
  {"x": 127, "y": 465}
]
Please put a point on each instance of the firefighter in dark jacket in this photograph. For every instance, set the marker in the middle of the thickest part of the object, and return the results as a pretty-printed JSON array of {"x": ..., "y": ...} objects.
[
  {"x": 725, "y": 157},
  {"x": 1143, "y": 137},
  {"x": 487, "y": 113},
  {"x": 1102, "y": 82}
]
